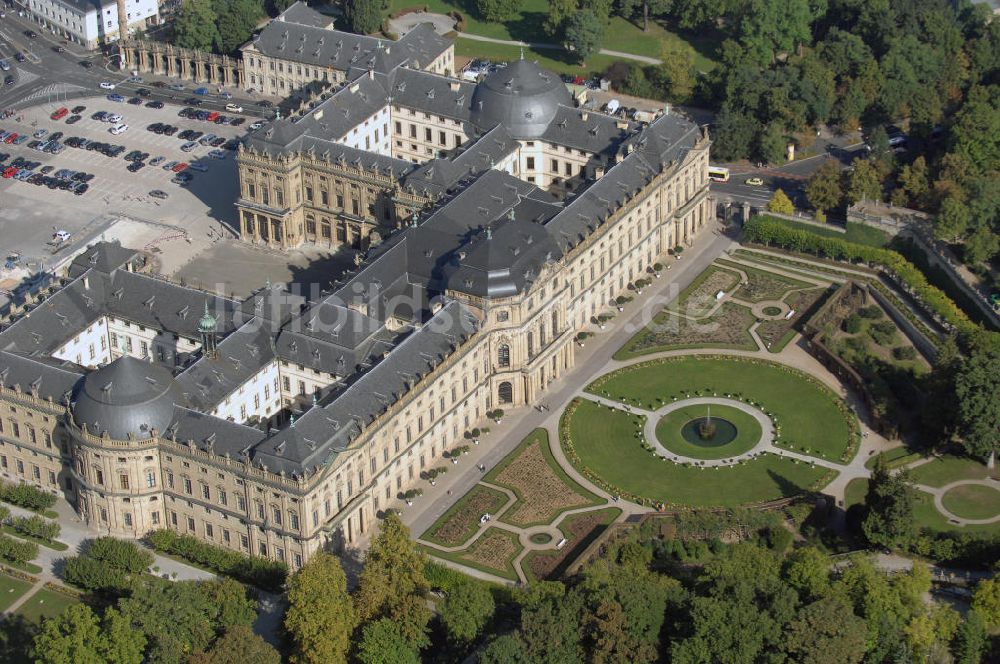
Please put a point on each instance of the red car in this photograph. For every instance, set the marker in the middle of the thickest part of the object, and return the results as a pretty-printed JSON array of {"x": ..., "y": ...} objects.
[
  {"x": 11, "y": 138},
  {"x": 212, "y": 116},
  {"x": 60, "y": 113},
  {"x": 180, "y": 167},
  {"x": 10, "y": 172}
]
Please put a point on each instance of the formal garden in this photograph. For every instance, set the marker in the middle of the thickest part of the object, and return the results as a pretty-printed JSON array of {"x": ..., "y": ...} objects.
[
  {"x": 730, "y": 306},
  {"x": 710, "y": 431},
  {"x": 526, "y": 501}
]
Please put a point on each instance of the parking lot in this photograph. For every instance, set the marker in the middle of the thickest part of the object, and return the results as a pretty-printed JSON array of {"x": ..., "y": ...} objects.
[{"x": 30, "y": 214}]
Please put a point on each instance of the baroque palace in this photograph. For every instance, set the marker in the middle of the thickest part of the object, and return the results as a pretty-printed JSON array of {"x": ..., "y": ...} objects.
[{"x": 492, "y": 221}]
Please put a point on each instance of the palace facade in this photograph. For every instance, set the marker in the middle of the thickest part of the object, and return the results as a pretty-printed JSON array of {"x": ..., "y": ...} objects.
[{"x": 492, "y": 223}]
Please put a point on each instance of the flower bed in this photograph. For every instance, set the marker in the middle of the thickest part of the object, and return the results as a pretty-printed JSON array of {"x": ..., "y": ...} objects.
[
  {"x": 580, "y": 530},
  {"x": 728, "y": 327},
  {"x": 761, "y": 284},
  {"x": 543, "y": 489},
  {"x": 495, "y": 551},
  {"x": 461, "y": 521},
  {"x": 699, "y": 297}
]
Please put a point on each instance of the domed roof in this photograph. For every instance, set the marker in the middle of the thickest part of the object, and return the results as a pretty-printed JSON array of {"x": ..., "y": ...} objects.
[
  {"x": 522, "y": 97},
  {"x": 128, "y": 396}
]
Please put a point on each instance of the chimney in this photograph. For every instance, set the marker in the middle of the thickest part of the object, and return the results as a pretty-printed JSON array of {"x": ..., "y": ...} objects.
[
  {"x": 584, "y": 116},
  {"x": 371, "y": 74},
  {"x": 86, "y": 282}
]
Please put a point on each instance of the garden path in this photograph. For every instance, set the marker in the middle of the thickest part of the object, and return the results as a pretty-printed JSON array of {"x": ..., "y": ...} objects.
[
  {"x": 938, "y": 493},
  {"x": 38, "y": 585}
]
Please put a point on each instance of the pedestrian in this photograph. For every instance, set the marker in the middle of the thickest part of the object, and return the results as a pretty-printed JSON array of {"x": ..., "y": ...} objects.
[{"x": 449, "y": 492}]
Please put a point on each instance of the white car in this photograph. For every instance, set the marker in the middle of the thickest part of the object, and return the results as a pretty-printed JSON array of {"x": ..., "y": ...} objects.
[
  {"x": 107, "y": 85},
  {"x": 114, "y": 118},
  {"x": 61, "y": 236},
  {"x": 256, "y": 125},
  {"x": 234, "y": 108},
  {"x": 119, "y": 129}
]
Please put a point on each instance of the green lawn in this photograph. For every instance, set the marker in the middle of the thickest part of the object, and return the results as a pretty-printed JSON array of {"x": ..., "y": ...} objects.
[
  {"x": 619, "y": 34},
  {"x": 808, "y": 414},
  {"x": 11, "y": 590},
  {"x": 897, "y": 457},
  {"x": 553, "y": 60},
  {"x": 523, "y": 494},
  {"x": 945, "y": 470},
  {"x": 855, "y": 492},
  {"x": 604, "y": 447},
  {"x": 44, "y": 604},
  {"x": 668, "y": 432},
  {"x": 972, "y": 501}
]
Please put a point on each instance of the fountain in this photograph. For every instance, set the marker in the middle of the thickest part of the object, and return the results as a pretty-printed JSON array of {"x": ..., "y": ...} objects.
[{"x": 706, "y": 428}]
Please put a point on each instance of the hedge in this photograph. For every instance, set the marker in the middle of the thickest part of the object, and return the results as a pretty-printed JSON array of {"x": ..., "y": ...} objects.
[
  {"x": 17, "y": 551},
  {"x": 95, "y": 575},
  {"x": 121, "y": 555},
  {"x": 36, "y": 526},
  {"x": 256, "y": 571},
  {"x": 26, "y": 496},
  {"x": 767, "y": 231}
]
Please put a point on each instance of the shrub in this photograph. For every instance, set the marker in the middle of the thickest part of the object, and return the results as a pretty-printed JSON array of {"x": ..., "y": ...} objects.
[
  {"x": 883, "y": 332},
  {"x": 16, "y": 551},
  {"x": 36, "y": 526},
  {"x": 27, "y": 496},
  {"x": 852, "y": 324},
  {"x": 120, "y": 554},
  {"x": 871, "y": 313},
  {"x": 4, "y": 513},
  {"x": 904, "y": 353},
  {"x": 256, "y": 571},
  {"x": 95, "y": 575}
]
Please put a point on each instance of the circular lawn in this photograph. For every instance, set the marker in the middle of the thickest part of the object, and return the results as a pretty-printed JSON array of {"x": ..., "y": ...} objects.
[
  {"x": 677, "y": 432},
  {"x": 972, "y": 501},
  {"x": 809, "y": 417}
]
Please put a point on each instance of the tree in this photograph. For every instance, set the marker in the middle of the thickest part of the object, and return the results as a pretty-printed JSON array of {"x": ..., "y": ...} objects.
[
  {"x": 971, "y": 640},
  {"x": 392, "y": 584},
  {"x": 506, "y": 649},
  {"x": 676, "y": 76},
  {"x": 600, "y": 8},
  {"x": 584, "y": 33},
  {"x": 863, "y": 183},
  {"x": 237, "y": 23},
  {"x": 780, "y": 203},
  {"x": 953, "y": 218},
  {"x": 550, "y": 632},
  {"x": 914, "y": 182},
  {"x": 559, "y": 11},
  {"x": 807, "y": 570},
  {"x": 497, "y": 11},
  {"x": 734, "y": 134},
  {"x": 772, "y": 143},
  {"x": 930, "y": 631},
  {"x": 986, "y": 601},
  {"x": 890, "y": 498},
  {"x": 823, "y": 190},
  {"x": 382, "y": 642},
  {"x": 239, "y": 645},
  {"x": 72, "y": 637},
  {"x": 769, "y": 27},
  {"x": 320, "y": 617},
  {"x": 980, "y": 246},
  {"x": 466, "y": 610},
  {"x": 195, "y": 25},
  {"x": 976, "y": 387},
  {"x": 363, "y": 16},
  {"x": 826, "y": 632},
  {"x": 123, "y": 644}
]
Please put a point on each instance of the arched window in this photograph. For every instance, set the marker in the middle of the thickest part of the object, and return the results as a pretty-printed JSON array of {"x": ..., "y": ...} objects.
[
  {"x": 503, "y": 356},
  {"x": 555, "y": 323},
  {"x": 505, "y": 392}
]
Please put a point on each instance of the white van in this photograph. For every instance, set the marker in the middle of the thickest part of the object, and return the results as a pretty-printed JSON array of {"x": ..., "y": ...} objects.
[{"x": 119, "y": 129}]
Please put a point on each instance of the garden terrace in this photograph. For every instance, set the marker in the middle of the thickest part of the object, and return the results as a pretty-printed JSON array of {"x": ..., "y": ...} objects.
[{"x": 580, "y": 530}]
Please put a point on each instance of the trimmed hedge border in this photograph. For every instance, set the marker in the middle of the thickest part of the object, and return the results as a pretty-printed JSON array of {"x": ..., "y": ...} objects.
[
  {"x": 256, "y": 571},
  {"x": 768, "y": 232}
]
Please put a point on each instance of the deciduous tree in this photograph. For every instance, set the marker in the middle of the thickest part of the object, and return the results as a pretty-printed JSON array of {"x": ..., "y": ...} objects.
[
  {"x": 977, "y": 385},
  {"x": 823, "y": 190},
  {"x": 320, "y": 616},
  {"x": 72, "y": 637},
  {"x": 863, "y": 183},
  {"x": 195, "y": 25},
  {"x": 466, "y": 610},
  {"x": 497, "y": 11},
  {"x": 239, "y": 645},
  {"x": 363, "y": 16},
  {"x": 890, "y": 498},
  {"x": 382, "y": 642},
  {"x": 826, "y": 632},
  {"x": 780, "y": 203}
]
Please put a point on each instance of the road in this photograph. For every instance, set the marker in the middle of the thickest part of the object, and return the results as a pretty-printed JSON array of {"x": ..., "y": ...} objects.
[{"x": 48, "y": 75}]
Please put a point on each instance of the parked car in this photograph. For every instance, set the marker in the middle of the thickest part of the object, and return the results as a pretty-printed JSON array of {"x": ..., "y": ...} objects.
[
  {"x": 201, "y": 91},
  {"x": 154, "y": 104},
  {"x": 117, "y": 98},
  {"x": 159, "y": 193},
  {"x": 73, "y": 119},
  {"x": 198, "y": 166},
  {"x": 59, "y": 113},
  {"x": 8, "y": 79},
  {"x": 119, "y": 129},
  {"x": 135, "y": 101},
  {"x": 189, "y": 146},
  {"x": 77, "y": 110}
]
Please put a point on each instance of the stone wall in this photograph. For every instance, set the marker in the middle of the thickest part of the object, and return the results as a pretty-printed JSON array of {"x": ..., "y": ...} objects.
[{"x": 154, "y": 57}]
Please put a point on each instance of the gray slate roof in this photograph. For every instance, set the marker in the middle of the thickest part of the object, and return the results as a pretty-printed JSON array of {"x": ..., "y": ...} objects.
[
  {"x": 104, "y": 257},
  {"x": 301, "y": 13},
  {"x": 40, "y": 378}
]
